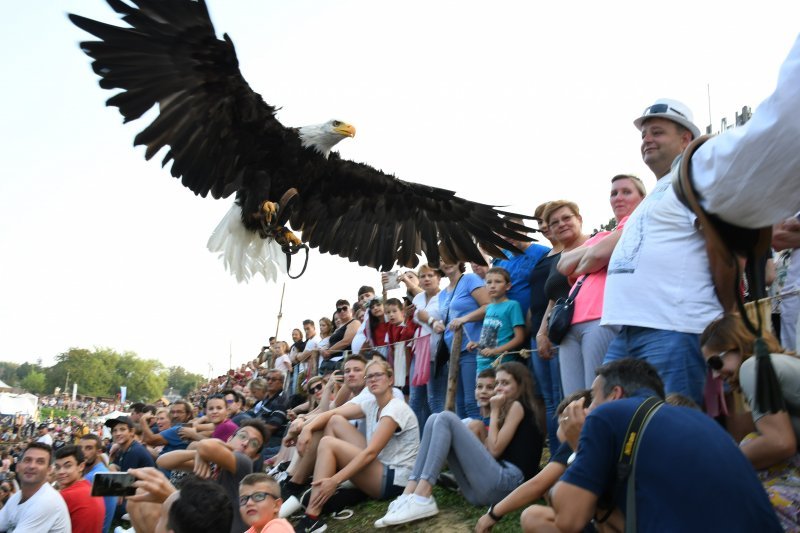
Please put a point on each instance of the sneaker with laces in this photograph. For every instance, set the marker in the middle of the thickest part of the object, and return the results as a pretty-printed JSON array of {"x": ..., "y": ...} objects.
[
  {"x": 309, "y": 525},
  {"x": 411, "y": 510},
  {"x": 393, "y": 506}
]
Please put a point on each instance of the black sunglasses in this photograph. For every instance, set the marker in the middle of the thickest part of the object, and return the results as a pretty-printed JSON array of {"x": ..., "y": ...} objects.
[
  {"x": 715, "y": 362},
  {"x": 343, "y": 308},
  {"x": 660, "y": 108},
  {"x": 257, "y": 497},
  {"x": 315, "y": 388}
]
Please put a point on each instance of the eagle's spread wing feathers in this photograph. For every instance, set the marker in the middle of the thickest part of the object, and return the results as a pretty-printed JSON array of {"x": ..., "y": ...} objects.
[
  {"x": 358, "y": 212},
  {"x": 223, "y": 138},
  {"x": 219, "y": 132}
]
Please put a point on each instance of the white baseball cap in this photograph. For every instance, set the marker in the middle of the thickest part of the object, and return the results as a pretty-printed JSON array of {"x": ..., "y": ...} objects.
[{"x": 673, "y": 110}]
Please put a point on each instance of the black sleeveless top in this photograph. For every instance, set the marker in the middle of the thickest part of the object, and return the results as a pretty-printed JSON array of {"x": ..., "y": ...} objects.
[
  {"x": 525, "y": 449},
  {"x": 339, "y": 335}
]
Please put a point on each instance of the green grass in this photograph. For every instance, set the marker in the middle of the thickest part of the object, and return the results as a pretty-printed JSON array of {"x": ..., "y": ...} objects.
[{"x": 455, "y": 514}]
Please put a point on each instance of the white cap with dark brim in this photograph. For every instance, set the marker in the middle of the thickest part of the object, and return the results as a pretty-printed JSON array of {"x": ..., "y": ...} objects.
[{"x": 669, "y": 109}]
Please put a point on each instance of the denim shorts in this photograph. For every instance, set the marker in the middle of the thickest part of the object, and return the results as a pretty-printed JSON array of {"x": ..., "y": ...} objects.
[{"x": 389, "y": 490}]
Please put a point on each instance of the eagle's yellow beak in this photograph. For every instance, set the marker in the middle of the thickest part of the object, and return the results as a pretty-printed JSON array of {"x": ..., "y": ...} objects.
[{"x": 345, "y": 129}]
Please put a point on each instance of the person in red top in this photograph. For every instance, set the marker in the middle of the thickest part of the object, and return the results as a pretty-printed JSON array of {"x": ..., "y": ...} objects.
[{"x": 85, "y": 512}]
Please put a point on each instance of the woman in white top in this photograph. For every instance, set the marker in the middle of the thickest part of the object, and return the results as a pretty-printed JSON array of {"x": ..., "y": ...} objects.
[
  {"x": 381, "y": 469},
  {"x": 427, "y": 397}
]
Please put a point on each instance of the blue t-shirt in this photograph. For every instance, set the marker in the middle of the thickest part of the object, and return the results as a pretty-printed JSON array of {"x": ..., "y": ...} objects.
[
  {"x": 461, "y": 303},
  {"x": 174, "y": 441},
  {"x": 690, "y": 475},
  {"x": 109, "y": 501},
  {"x": 520, "y": 268},
  {"x": 136, "y": 456},
  {"x": 498, "y": 328}
]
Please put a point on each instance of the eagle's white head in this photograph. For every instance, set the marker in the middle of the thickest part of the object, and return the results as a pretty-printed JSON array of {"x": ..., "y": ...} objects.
[{"x": 323, "y": 137}]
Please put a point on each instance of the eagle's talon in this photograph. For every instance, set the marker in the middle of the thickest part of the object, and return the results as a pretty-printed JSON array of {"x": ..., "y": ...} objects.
[
  {"x": 285, "y": 237},
  {"x": 270, "y": 210}
]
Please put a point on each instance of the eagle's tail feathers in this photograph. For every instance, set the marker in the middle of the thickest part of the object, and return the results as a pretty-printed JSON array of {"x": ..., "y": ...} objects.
[{"x": 243, "y": 252}]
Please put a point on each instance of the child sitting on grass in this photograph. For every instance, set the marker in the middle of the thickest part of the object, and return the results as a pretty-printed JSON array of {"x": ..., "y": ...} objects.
[{"x": 259, "y": 503}]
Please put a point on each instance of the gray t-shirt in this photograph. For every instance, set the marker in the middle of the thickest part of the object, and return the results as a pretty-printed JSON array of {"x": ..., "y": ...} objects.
[
  {"x": 230, "y": 482},
  {"x": 787, "y": 368}
]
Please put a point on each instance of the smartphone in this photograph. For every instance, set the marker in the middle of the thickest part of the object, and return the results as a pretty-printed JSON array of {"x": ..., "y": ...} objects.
[
  {"x": 391, "y": 281},
  {"x": 113, "y": 484}
]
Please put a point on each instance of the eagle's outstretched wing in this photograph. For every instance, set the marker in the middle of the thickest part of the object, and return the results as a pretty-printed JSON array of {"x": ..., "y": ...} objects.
[
  {"x": 220, "y": 133},
  {"x": 358, "y": 212},
  {"x": 223, "y": 138}
]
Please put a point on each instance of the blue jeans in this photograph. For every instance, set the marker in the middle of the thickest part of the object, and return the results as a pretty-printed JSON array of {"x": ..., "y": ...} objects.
[
  {"x": 675, "y": 355},
  {"x": 483, "y": 480},
  {"x": 437, "y": 391},
  {"x": 548, "y": 383},
  {"x": 418, "y": 399},
  {"x": 466, "y": 404}
]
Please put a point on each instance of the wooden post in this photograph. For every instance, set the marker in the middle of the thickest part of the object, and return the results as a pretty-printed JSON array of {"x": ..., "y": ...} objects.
[{"x": 452, "y": 374}]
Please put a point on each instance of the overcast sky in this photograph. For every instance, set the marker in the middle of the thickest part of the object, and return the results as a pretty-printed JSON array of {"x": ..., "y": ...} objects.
[{"x": 509, "y": 103}]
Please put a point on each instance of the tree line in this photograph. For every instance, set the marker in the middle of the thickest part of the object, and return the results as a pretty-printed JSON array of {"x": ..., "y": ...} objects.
[{"x": 101, "y": 372}]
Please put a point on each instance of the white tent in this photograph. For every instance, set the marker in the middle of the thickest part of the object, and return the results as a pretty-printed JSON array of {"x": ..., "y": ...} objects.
[
  {"x": 12, "y": 404},
  {"x": 109, "y": 416}
]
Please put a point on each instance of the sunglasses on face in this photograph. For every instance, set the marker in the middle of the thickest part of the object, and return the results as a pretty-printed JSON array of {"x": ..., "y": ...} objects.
[
  {"x": 715, "y": 362},
  {"x": 660, "y": 108},
  {"x": 315, "y": 388},
  {"x": 343, "y": 308},
  {"x": 253, "y": 443},
  {"x": 376, "y": 375},
  {"x": 256, "y": 497}
]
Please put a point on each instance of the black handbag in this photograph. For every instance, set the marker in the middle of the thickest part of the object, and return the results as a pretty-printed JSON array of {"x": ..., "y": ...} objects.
[
  {"x": 561, "y": 316},
  {"x": 442, "y": 354}
]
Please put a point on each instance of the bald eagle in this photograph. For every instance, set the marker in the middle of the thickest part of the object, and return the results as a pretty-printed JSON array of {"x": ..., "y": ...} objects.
[{"x": 222, "y": 138}]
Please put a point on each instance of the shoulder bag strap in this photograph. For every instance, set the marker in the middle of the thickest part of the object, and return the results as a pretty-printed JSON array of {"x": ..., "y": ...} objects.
[{"x": 630, "y": 447}]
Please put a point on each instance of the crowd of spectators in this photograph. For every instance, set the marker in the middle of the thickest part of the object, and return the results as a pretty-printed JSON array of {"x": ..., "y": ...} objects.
[{"x": 641, "y": 402}]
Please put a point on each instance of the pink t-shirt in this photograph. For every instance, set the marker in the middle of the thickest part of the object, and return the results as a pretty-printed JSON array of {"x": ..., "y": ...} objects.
[
  {"x": 589, "y": 302},
  {"x": 224, "y": 430},
  {"x": 276, "y": 525}
]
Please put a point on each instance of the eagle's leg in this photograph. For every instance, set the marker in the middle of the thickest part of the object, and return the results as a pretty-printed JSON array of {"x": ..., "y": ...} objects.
[
  {"x": 270, "y": 210},
  {"x": 285, "y": 237}
]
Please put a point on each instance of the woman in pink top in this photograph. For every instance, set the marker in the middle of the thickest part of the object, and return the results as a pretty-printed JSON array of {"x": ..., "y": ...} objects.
[{"x": 584, "y": 347}]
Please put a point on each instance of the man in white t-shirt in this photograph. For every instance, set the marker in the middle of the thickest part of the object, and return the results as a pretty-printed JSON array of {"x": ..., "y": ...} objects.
[
  {"x": 44, "y": 435},
  {"x": 37, "y": 507},
  {"x": 309, "y": 358},
  {"x": 659, "y": 287}
]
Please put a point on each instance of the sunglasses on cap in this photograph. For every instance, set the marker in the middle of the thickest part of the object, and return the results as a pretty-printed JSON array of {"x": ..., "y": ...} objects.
[
  {"x": 715, "y": 362},
  {"x": 661, "y": 108}
]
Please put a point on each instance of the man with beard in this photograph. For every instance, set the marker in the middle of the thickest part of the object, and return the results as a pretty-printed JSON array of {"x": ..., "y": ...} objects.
[
  {"x": 37, "y": 507},
  {"x": 92, "y": 447}
]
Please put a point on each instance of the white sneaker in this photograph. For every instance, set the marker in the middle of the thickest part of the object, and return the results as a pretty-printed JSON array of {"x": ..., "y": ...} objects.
[
  {"x": 410, "y": 511},
  {"x": 290, "y": 507},
  {"x": 393, "y": 507}
]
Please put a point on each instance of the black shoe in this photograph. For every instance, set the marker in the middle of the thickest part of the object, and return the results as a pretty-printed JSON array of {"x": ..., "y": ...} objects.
[
  {"x": 309, "y": 525},
  {"x": 447, "y": 480},
  {"x": 289, "y": 489}
]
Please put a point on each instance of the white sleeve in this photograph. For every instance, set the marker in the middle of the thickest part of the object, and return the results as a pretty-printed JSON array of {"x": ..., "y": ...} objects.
[
  {"x": 750, "y": 176},
  {"x": 397, "y": 411}
]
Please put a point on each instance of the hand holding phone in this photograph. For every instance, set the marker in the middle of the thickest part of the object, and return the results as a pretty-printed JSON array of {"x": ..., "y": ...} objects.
[{"x": 113, "y": 484}]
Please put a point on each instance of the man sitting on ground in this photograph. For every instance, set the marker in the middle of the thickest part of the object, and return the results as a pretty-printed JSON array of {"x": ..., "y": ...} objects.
[
  {"x": 232, "y": 461},
  {"x": 690, "y": 475}
]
